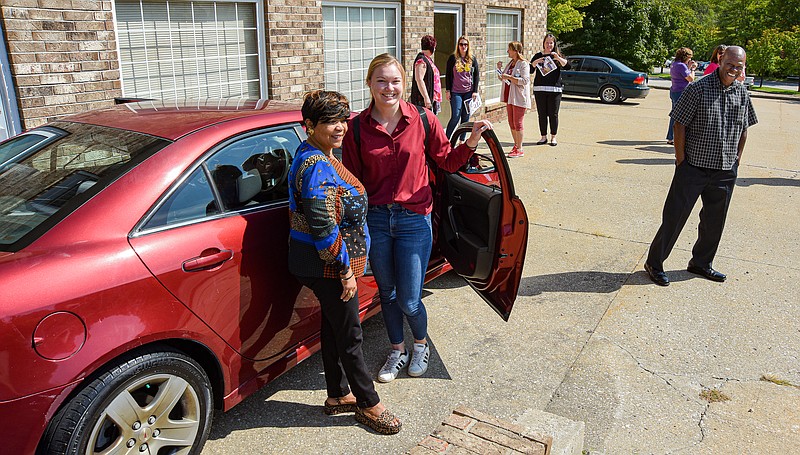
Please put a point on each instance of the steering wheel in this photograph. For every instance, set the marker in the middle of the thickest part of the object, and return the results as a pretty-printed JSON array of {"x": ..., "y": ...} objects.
[{"x": 273, "y": 167}]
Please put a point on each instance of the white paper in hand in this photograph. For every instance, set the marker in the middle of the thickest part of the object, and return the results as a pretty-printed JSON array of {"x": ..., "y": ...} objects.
[{"x": 472, "y": 105}]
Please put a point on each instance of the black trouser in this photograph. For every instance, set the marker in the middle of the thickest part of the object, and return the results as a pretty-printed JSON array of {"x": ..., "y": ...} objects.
[
  {"x": 341, "y": 337},
  {"x": 547, "y": 104},
  {"x": 715, "y": 188}
]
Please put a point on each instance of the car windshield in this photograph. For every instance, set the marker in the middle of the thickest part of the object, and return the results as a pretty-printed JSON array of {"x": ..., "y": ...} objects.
[{"x": 46, "y": 176}]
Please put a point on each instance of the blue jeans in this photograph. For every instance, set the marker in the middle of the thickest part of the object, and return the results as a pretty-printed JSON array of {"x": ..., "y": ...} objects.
[
  {"x": 674, "y": 96},
  {"x": 398, "y": 256},
  {"x": 458, "y": 113}
]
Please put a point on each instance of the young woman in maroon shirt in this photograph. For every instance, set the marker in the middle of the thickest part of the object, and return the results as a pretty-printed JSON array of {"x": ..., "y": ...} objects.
[{"x": 390, "y": 161}]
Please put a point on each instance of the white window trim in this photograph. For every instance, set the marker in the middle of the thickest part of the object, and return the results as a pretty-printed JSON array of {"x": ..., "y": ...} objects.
[
  {"x": 260, "y": 36},
  {"x": 448, "y": 8},
  {"x": 397, "y": 6},
  {"x": 517, "y": 13}
]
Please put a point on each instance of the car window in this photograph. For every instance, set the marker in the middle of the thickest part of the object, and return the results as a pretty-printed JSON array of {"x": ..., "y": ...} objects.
[
  {"x": 595, "y": 66},
  {"x": 481, "y": 168},
  {"x": 192, "y": 200},
  {"x": 246, "y": 172},
  {"x": 59, "y": 170},
  {"x": 253, "y": 170},
  {"x": 17, "y": 147},
  {"x": 575, "y": 63}
]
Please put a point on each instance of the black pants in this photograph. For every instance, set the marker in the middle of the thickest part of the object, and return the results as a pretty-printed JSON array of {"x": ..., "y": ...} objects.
[
  {"x": 341, "y": 338},
  {"x": 715, "y": 188},
  {"x": 547, "y": 104}
]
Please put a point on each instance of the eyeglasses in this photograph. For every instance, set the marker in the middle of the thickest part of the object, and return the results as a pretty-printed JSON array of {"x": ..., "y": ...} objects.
[{"x": 463, "y": 44}]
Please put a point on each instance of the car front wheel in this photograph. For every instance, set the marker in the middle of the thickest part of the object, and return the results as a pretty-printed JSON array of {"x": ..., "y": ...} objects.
[
  {"x": 156, "y": 402},
  {"x": 609, "y": 94}
]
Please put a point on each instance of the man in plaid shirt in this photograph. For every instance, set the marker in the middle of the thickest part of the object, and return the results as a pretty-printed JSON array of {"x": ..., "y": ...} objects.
[{"x": 711, "y": 121}]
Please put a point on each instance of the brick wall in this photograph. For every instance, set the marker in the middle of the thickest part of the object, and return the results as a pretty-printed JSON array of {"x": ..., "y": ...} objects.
[
  {"x": 63, "y": 56},
  {"x": 417, "y": 21},
  {"x": 64, "y": 60}
]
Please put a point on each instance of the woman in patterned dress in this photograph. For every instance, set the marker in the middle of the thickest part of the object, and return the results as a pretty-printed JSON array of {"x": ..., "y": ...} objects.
[{"x": 328, "y": 247}]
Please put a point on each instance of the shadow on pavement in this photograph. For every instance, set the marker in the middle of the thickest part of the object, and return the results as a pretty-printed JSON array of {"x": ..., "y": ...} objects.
[
  {"x": 777, "y": 181},
  {"x": 591, "y": 281},
  {"x": 648, "y": 161},
  {"x": 261, "y": 411}
]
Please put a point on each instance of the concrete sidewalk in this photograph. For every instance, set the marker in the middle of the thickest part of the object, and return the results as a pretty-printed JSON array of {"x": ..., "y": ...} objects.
[{"x": 590, "y": 337}]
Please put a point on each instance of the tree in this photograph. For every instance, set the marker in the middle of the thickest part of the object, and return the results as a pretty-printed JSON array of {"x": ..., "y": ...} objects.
[
  {"x": 694, "y": 25},
  {"x": 631, "y": 31},
  {"x": 563, "y": 15},
  {"x": 762, "y": 59}
]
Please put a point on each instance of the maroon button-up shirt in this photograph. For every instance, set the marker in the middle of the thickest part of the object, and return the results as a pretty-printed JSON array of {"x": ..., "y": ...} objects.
[{"x": 392, "y": 166}]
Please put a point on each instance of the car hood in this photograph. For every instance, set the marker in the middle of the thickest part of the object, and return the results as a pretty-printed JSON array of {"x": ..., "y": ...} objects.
[{"x": 4, "y": 255}]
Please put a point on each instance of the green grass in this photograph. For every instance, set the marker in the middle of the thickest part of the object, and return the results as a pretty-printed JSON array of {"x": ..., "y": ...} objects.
[
  {"x": 659, "y": 76},
  {"x": 780, "y": 91}
]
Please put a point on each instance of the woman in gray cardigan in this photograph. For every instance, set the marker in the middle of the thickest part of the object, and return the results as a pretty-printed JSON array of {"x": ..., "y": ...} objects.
[{"x": 516, "y": 91}]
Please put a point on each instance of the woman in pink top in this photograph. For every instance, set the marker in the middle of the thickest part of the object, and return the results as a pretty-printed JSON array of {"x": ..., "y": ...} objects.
[
  {"x": 426, "y": 88},
  {"x": 715, "y": 56}
]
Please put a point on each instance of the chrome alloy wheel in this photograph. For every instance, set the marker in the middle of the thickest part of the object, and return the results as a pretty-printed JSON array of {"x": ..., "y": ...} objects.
[
  {"x": 609, "y": 94},
  {"x": 152, "y": 412}
]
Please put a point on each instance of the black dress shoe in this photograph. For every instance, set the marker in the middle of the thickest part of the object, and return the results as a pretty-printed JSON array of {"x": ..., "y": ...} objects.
[
  {"x": 659, "y": 277},
  {"x": 709, "y": 273}
]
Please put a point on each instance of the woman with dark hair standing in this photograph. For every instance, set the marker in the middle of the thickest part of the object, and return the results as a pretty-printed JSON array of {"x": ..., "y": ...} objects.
[
  {"x": 426, "y": 87},
  {"x": 516, "y": 79},
  {"x": 462, "y": 77},
  {"x": 390, "y": 155},
  {"x": 547, "y": 86},
  {"x": 328, "y": 246},
  {"x": 681, "y": 73},
  {"x": 714, "y": 62}
]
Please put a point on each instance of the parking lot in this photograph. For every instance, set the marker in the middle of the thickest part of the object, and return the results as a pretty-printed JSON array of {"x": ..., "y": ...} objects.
[{"x": 591, "y": 338}]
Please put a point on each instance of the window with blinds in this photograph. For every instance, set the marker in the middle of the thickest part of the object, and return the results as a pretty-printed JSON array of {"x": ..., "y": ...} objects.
[
  {"x": 502, "y": 27},
  {"x": 192, "y": 50},
  {"x": 353, "y": 35}
]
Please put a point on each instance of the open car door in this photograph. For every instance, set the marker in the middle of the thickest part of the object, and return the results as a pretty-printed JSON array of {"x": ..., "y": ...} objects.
[{"x": 483, "y": 227}]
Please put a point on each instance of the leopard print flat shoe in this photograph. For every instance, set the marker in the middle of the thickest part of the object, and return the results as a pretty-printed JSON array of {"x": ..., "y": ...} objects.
[
  {"x": 384, "y": 424},
  {"x": 339, "y": 407}
]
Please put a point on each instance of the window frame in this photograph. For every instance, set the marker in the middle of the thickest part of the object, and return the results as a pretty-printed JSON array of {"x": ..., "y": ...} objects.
[
  {"x": 260, "y": 43},
  {"x": 396, "y": 6},
  {"x": 140, "y": 228},
  {"x": 490, "y": 72}
]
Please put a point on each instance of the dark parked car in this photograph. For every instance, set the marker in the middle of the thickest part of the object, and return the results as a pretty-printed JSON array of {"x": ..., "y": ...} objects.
[
  {"x": 143, "y": 269},
  {"x": 603, "y": 77}
]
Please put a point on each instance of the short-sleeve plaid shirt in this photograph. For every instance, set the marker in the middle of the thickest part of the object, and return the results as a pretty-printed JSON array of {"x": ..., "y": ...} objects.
[{"x": 715, "y": 117}]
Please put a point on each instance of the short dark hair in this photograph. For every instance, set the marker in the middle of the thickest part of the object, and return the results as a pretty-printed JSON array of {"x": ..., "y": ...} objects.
[
  {"x": 324, "y": 106},
  {"x": 428, "y": 43}
]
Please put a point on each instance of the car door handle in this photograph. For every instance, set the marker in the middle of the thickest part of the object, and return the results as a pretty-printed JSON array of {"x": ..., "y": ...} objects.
[{"x": 207, "y": 261}]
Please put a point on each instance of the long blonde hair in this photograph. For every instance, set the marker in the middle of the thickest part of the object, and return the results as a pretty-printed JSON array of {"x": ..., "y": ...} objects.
[{"x": 468, "y": 56}]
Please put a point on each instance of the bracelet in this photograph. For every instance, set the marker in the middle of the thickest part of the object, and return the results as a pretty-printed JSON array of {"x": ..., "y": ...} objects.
[
  {"x": 348, "y": 277},
  {"x": 471, "y": 148}
]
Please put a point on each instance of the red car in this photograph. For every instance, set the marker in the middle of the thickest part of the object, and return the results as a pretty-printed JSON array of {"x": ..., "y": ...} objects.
[{"x": 143, "y": 269}]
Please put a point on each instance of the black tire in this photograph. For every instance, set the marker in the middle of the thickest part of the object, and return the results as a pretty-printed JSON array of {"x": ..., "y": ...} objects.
[
  {"x": 164, "y": 394},
  {"x": 609, "y": 94}
]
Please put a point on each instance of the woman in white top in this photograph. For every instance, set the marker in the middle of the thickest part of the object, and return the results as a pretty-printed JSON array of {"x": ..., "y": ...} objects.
[{"x": 516, "y": 79}]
